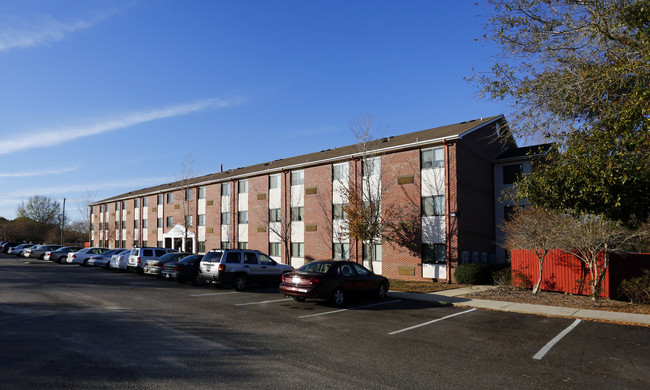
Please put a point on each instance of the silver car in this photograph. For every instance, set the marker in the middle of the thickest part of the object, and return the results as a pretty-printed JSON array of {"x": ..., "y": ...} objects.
[
  {"x": 39, "y": 251},
  {"x": 81, "y": 256},
  {"x": 103, "y": 259},
  {"x": 120, "y": 260}
]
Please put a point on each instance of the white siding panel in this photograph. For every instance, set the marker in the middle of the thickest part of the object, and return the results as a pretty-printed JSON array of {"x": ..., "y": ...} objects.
[
  {"x": 433, "y": 229},
  {"x": 433, "y": 182},
  {"x": 297, "y": 231}
]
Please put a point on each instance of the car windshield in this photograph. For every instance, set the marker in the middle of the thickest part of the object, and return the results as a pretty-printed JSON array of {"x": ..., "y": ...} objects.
[
  {"x": 190, "y": 259},
  {"x": 213, "y": 257},
  {"x": 319, "y": 268}
]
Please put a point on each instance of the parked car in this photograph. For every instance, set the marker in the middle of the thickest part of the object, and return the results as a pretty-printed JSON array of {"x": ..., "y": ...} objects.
[
  {"x": 184, "y": 270},
  {"x": 139, "y": 257},
  {"x": 59, "y": 255},
  {"x": 241, "y": 267},
  {"x": 38, "y": 251},
  {"x": 82, "y": 255},
  {"x": 103, "y": 259},
  {"x": 333, "y": 281},
  {"x": 9, "y": 244},
  {"x": 120, "y": 260},
  {"x": 155, "y": 267},
  {"x": 18, "y": 249}
]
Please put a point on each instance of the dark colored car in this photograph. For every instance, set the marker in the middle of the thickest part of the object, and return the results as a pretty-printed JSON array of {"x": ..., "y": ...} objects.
[
  {"x": 185, "y": 270},
  {"x": 59, "y": 255},
  {"x": 334, "y": 281},
  {"x": 155, "y": 267}
]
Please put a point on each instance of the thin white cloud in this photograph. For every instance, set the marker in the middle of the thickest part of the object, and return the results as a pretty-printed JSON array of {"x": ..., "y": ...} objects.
[
  {"x": 38, "y": 173},
  {"x": 53, "y": 137},
  {"x": 43, "y": 30}
]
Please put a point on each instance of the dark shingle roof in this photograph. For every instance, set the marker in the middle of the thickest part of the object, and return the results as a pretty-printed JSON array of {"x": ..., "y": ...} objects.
[
  {"x": 525, "y": 151},
  {"x": 437, "y": 134}
]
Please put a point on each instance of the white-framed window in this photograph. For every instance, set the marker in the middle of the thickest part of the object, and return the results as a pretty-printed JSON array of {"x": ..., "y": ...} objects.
[
  {"x": 274, "y": 249},
  {"x": 242, "y": 217},
  {"x": 170, "y": 197},
  {"x": 201, "y": 219},
  {"x": 200, "y": 246},
  {"x": 274, "y": 181},
  {"x": 190, "y": 220},
  {"x": 189, "y": 194},
  {"x": 338, "y": 212},
  {"x": 297, "y": 178},
  {"x": 434, "y": 253},
  {"x": 145, "y": 202},
  {"x": 371, "y": 166},
  {"x": 433, "y": 158},
  {"x": 160, "y": 198},
  {"x": 243, "y": 187},
  {"x": 202, "y": 195},
  {"x": 170, "y": 221},
  {"x": 225, "y": 218},
  {"x": 297, "y": 249},
  {"x": 340, "y": 172},
  {"x": 275, "y": 215},
  {"x": 297, "y": 214},
  {"x": 225, "y": 189},
  {"x": 433, "y": 205},
  {"x": 341, "y": 251},
  {"x": 242, "y": 245}
]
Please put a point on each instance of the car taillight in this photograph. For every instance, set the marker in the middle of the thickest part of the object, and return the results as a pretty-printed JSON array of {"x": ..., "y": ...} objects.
[
  {"x": 310, "y": 281},
  {"x": 74, "y": 256},
  {"x": 157, "y": 264},
  {"x": 138, "y": 260},
  {"x": 222, "y": 267},
  {"x": 47, "y": 253}
]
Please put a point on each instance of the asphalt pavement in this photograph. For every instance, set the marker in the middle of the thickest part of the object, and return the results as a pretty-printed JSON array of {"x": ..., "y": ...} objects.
[{"x": 459, "y": 297}]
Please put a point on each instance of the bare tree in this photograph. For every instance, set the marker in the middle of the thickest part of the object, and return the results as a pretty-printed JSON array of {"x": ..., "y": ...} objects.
[
  {"x": 185, "y": 178},
  {"x": 83, "y": 206},
  {"x": 592, "y": 239},
  {"x": 535, "y": 229}
]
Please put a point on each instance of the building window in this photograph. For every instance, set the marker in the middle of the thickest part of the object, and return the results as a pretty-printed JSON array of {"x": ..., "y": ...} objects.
[
  {"x": 433, "y": 205},
  {"x": 433, "y": 158},
  {"x": 274, "y": 249},
  {"x": 297, "y": 178},
  {"x": 242, "y": 245},
  {"x": 117, "y": 225},
  {"x": 202, "y": 193},
  {"x": 297, "y": 214},
  {"x": 225, "y": 189},
  {"x": 512, "y": 173},
  {"x": 297, "y": 249},
  {"x": 159, "y": 223},
  {"x": 341, "y": 251},
  {"x": 160, "y": 244},
  {"x": 145, "y": 223},
  {"x": 145, "y": 243},
  {"x": 190, "y": 220},
  {"x": 225, "y": 218},
  {"x": 225, "y": 245},
  {"x": 170, "y": 197},
  {"x": 371, "y": 166},
  {"x": 117, "y": 206},
  {"x": 170, "y": 221},
  {"x": 434, "y": 253},
  {"x": 136, "y": 203},
  {"x": 376, "y": 249},
  {"x": 242, "y": 217},
  {"x": 340, "y": 172},
  {"x": 123, "y": 224},
  {"x": 200, "y": 246},
  {"x": 338, "y": 212},
  {"x": 243, "y": 187},
  {"x": 160, "y": 199},
  {"x": 145, "y": 202},
  {"x": 189, "y": 194},
  {"x": 274, "y": 181},
  {"x": 275, "y": 215},
  {"x": 201, "y": 219}
]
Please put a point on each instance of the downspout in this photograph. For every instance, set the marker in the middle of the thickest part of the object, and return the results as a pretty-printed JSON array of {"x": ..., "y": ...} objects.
[
  {"x": 234, "y": 215},
  {"x": 447, "y": 217}
]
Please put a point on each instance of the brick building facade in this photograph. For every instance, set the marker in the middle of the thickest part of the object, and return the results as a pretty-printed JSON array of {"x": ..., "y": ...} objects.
[{"x": 440, "y": 179}]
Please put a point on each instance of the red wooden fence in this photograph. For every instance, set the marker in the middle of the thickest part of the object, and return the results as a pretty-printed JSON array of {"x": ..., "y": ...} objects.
[{"x": 563, "y": 272}]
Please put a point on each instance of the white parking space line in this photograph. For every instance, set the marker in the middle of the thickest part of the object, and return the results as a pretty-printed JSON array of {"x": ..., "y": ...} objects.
[
  {"x": 431, "y": 322},
  {"x": 263, "y": 302},
  {"x": 353, "y": 308},
  {"x": 212, "y": 294},
  {"x": 539, "y": 355}
]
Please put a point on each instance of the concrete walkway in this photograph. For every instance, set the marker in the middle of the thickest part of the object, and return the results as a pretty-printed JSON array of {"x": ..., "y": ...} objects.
[{"x": 456, "y": 297}]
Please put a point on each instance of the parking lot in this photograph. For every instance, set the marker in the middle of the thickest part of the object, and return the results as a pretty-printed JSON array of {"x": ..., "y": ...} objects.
[{"x": 65, "y": 326}]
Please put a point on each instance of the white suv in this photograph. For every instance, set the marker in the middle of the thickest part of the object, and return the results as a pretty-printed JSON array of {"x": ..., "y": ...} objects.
[
  {"x": 139, "y": 256},
  {"x": 240, "y": 267}
]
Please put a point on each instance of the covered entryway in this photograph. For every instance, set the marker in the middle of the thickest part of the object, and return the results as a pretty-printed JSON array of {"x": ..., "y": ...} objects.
[{"x": 175, "y": 239}]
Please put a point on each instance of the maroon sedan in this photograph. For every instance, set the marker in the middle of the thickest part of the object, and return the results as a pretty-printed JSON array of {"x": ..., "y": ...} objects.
[{"x": 333, "y": 281}]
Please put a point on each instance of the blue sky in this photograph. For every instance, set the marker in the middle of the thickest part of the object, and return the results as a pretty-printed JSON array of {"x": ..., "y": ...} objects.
[{"x": 104, "y": 97}]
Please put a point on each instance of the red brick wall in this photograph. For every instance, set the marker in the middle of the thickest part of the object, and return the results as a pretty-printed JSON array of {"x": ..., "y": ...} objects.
[
  {"x": 212, "y": 216},
  {"x": 318, "y": 213},
  {"x": 258, "y": 213},
  {"x": 401, "y": 198}
]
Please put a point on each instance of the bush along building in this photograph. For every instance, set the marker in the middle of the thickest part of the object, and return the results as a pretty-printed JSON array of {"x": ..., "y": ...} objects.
[{"x": 434, "y": 190}]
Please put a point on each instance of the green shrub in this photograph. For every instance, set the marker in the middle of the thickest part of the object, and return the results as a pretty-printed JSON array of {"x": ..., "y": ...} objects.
[
  {"x": 637, "y": 290},
  {"x": 476, "y": 273},
  {"x": 502, "y": 277}
]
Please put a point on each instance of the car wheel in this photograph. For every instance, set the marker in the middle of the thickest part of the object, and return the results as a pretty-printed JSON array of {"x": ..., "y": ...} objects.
[
  {"x": 240, "y": 282},
  {"x": 338, "y": 297},
  {"x": 85, "y": 263},
  {"x": 299, "y": 299},
  {"x": 381, "y": 291}
]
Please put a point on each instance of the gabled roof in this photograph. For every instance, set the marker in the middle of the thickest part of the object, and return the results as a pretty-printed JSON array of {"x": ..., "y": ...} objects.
[{"x": 403, "y": 141}]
